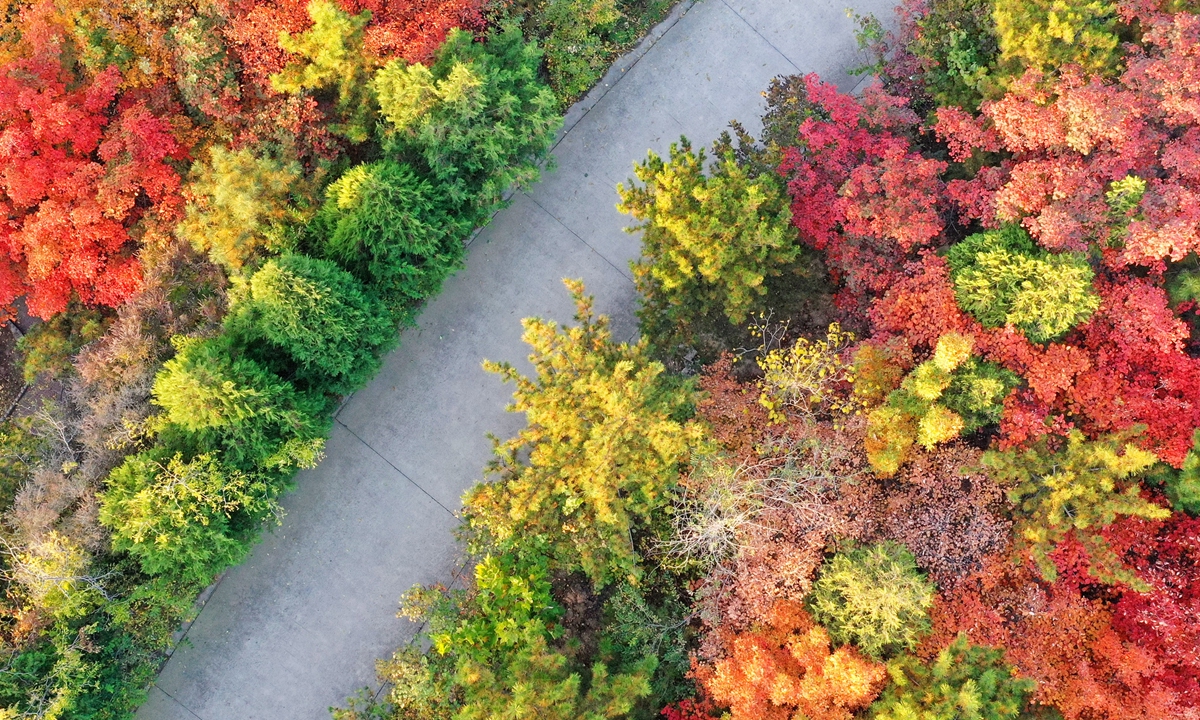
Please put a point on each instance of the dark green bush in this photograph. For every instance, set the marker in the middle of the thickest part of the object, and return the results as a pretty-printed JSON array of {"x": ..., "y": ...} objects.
[
  {"x": 393, "y": 230},
  {"x": 479, "y": 118}
]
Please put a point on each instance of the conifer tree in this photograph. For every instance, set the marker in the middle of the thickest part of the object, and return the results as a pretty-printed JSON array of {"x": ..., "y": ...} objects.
[
  {"x": 604, "y": 441},
  {"x": 964, "y": 682}
]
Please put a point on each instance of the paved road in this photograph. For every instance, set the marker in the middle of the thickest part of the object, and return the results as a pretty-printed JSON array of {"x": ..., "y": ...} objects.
[{"x": 298, "y": 627}]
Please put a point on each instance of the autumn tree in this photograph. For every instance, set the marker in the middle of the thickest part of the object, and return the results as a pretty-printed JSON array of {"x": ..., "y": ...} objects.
[
  {"x": 786, "y": 668},
  {"x": 605, "y": 438},
  {"x": 82, "y": 175}
]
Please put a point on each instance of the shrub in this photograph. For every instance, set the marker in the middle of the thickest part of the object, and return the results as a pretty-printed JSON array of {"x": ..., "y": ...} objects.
[
  {"x": 576, "y": 52},
  {"x": 478, "y": 118},
  {"x": 950, "y": 394},
  {"x": 956, "y": 40},
  {"x": 873, "y": 597},
  {"x": 604, "y": 441},
  {"x": 50, "y": 346},
  {"x": 786, "y": 669},
  {"x": 322, "y": 318},
  {"x": 708, "y": 241},
  {"x": 393, "y": 230},
  {"x": 811, "y": 376},
  {"x": 965, "y": 681},
  {"x": 1002, "y": 279},
  {"x": 492, "y": 656}
]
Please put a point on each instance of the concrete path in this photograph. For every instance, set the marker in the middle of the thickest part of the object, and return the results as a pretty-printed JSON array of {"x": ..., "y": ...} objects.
[{"x": 298, "y": 626}]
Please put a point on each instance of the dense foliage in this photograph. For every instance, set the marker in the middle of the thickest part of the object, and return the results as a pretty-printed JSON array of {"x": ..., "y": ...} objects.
[
  {"x": 956, "y": 482},
  {"x": 223, "y": 212}
]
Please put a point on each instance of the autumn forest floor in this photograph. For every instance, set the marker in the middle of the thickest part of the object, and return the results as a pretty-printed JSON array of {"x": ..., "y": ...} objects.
[{"x": 298, "y": 626}]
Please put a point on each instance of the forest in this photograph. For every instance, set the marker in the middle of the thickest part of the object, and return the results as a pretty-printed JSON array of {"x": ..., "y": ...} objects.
[
  {"x": 218, "y": 214},
  {"x": 912, "y": 430}
]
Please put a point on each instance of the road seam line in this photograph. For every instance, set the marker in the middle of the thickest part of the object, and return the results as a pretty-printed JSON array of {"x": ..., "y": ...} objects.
[
  {"x": 760, "y": 35},
  {"x": 392, "y": 466},
  {"x": 577, "y": 237}
]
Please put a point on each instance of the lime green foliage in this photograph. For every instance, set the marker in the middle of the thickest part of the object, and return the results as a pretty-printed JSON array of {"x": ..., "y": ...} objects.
[
  {"x": 1002, "y": 278},
  {"x": 957, "y": 39},
  {"x": 49, "y": 346},
  {"x": 319, "y": 316},
  {"x": 186, "y": 519},
  {"x": 577, "y": 53},
  {"x": 809, "y": 377},
  {"x": 1077, "y": 490},
  {"x": 604, "y": 442},
  {"x": 393, "y": 230},
  {"x": 333, "y": 59},
  {"x": 965, "y": 682},
  {"x": 708, "y": 241},
  {"x": 873, "y": 597},
  {"x": 215, "y": 398},
  {"x": 240, "y": 200},
  {"x": 1047, "y": 34},
  {"x": 950, "y": 394},
  {"x": 54, "y": 572},
  {"x": 1183, "y": 486},
  {"x": 492, "y": 655},
  {"x": 977, "y": 392},
  {"x": 478, "y": 118}
]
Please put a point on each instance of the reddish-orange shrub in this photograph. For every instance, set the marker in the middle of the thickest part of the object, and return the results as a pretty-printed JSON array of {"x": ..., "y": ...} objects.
[{"x": 784, "y": 669}]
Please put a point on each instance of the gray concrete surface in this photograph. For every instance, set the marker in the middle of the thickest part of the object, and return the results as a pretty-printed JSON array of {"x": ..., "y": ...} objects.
[{"x": 298, "y": 626}]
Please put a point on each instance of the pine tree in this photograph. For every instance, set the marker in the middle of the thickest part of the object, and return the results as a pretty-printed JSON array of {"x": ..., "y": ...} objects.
[
  {"x": 964, "y": 682},
  {"x": 874, "y": 597},
  {"x": 604, "y": 442}
]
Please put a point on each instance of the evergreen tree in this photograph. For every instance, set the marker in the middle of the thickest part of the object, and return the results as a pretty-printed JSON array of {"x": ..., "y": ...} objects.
[
  {"x": 1001, "y": 278},
  {"x": 874, "y": 597},
  {"x": 478, "y": 117},
  {"x": 1078, "y": 490},
  {"x": 393, "y": 230},
  {"x": 708, "y": 242},
  {"x": 965, "y": 682},
  {"x": 319, "y": 316},
  {"x": 604, "y": 441}
]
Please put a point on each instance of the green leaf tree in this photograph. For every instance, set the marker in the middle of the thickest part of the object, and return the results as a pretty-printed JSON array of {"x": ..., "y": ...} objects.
[
  {"x": 604, "y": 441},
  {"x": 874, "y": 597},
  {"x": 319, "y": 316},
  {"x": 478, "y": 118},
  {"x": 1002, "y": 278},
  {"x": 964, "y": 682},
  {"x": 708, "y": 242},
  {"x": 1077, "y": 490}
]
